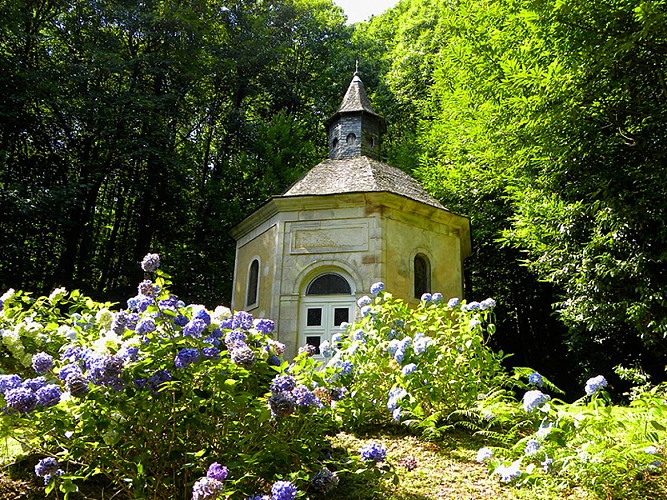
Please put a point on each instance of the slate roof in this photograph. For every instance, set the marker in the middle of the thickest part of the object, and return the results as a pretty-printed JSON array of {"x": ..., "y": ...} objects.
[{"x": 356, "y": 175}]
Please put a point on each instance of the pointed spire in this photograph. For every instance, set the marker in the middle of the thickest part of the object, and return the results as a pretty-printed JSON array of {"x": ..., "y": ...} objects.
[{"x": 355, "y": 98}]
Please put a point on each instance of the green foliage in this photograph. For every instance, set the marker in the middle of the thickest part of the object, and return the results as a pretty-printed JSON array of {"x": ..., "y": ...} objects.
[{"x": 416, "y": 366}]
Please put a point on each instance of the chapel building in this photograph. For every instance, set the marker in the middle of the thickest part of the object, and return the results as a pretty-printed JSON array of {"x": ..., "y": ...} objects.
[{"x": 306, "y": 256}]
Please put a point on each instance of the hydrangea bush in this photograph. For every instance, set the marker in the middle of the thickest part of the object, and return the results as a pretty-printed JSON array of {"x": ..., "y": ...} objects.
[
  {"x": 148, "y": 395},
  {"x": 591, "y": 442},
  {"x": 415, "y": 365}
]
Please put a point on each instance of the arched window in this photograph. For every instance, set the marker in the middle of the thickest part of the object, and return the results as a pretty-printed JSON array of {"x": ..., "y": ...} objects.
[
  {"x": 351, "y": 138},
  {"x": 329, "y": 284},
  {"x": 422, "y": 270},
  {"x": 253, "y": 284},
  {"x": 334, "y": 143}
]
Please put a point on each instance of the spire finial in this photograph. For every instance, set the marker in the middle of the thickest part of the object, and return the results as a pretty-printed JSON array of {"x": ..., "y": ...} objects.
[{"x": 356, "y": 67}]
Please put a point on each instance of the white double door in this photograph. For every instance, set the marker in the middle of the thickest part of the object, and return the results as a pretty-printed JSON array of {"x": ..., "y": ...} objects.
[{"x": 321, "y": 317}]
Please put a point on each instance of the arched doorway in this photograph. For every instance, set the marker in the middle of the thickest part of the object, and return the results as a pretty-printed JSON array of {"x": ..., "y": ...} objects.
[{"x": 327, "y": 301}]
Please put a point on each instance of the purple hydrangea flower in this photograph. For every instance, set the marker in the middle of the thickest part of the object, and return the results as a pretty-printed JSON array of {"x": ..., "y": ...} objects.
[
  {"x": 243, "y": 356},
  {"x": 42, "y": 362},
  {"x": 365, "y": 311},
  {"x": 308, "y": 349},
  {"x": 304, "y": 397},
  {"x": 266, "y": 326},
  {"x": 194, "y": 328},
  {"x": 156, "y": 380},
  {"x": 471, "y": 306},
  {"x": 145, "y": 326},
  {"x": 217, "y": 471},
  {"x": 324, "y": 481},
  {"x": 186, "y": 357},
  {"x": 147, "y": 288},
  {"x": 128, "y": 353},
  {"x": 338, "y": 393},
  {"x": 210, "y": 353},
  {"x": 281, "y": 404},
  {"x": 105, "y": 370},
  {"x": 242, "y": 320},
  {"x": 283, "y": 490},
  {"x": 377, "y": 288},
  {"x": 77, "y": 385},
  {"x": 533, "y": 400},
  {"x": 34, "y": 384},
  {"x": 150, "y": 262},
  {"x": 8, "y": 382},
  {"x": 139, "y": 303},
  {"x": 21, "y": 399},
  {"x": 206, "y": 488},
  {"x": 48, "y": 395},
  {"x": 426, "y": 297},
  {"x": 180, "y": 320},
  {"x": 67, "y": 370},
  {"x": 436, "y": 297},
  {"x": 453, "y": 302},
  {"x": 373, "y": 452},
  {"x": 47, "y": 467},
  {"x": 170, "y": 302},
  {"x": 119, "y": 322},
  {"x": 235, "y": 338},
  {"x": 594, "y": 384},
  {"x": 283, "y": 383}
]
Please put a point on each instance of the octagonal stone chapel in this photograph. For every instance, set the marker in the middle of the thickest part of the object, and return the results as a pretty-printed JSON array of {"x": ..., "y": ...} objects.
[{"x": 306, "y": 256}]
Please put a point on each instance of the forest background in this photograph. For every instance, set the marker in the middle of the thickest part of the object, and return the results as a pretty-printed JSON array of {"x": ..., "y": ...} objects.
[{"x": 128, "y": 127}]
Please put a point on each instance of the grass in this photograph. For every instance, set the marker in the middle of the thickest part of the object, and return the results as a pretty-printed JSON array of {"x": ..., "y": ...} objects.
[{"x": 426, "y": 470}]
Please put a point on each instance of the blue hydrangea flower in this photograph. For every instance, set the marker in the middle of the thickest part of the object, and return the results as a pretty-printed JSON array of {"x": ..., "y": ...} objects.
[
  {"x": 105, "y": 370},
  {"x": 210, "y": 352},
  {"x": 8, "y": 382},
  {"x": 217, "y": 471},
  {"x": 281, "y": 404},
  {"x": 453, "y": 302},
  {"x": 235, "y": 338},
  {"x": 364, "y": 301},
  {"x": 487, "y": 304},
  {"x": 68, "y": 369},
  {"x": 212, "y": 340},
  {"x": 393, "y": 346},
  {"x": 150, "y": 262},
  {"x": 203, "y": 315},
  {"x": 48, "y": 468},
  {"x": 206, "y": 488},
  {"x": 436, "y": 297},
  {"x": 147, "y": 288},
  {"x": 181, "y": 320},
  {"x": 594, "y": 384},
  {"x": 358, "y": 335},
  {"x": 21, "y": 399},
  {"x": 42, "y": 362},
  {"x": 70, "y": 353},
  {"x": 396, "y": 414},
  {"x": 405, "y": 343},
  {"x": 259, "y": 497},
  {"x": 145, "y": 326},
  {"x": 324, "y": 481},
  {"x": 408, "y": 369},
  {"x": 283, "y": 383},
  {"x": 77, "y": 385},
  {"x": 508, "y": 473},
  {"x": 377, "y": 288},
  {"x": 243, "y": 356},
  {"x": 399, "y": 356},
  {"x": 242, "y": 320},
  {"x": 426, "y": 297},
  {"x": 484, "y": 454},
  {"x": 266, "y": 326},
  {"x": 48, "y": 395},
  {"x": 394, "y": 396},
  {"x": 338, "y": 393},
  {"x": 471, "y": 306},
  {"x": 194, "y": 328},
  {"x": 336, "y": 338},
  {"x": 186, "y": 357},
  {"x": 421, "y": 344},
  {"x": 536, "y": 379},
  {"x": 128, "y": 353},
  {"x": 170, "y": 302},
  {"x": 326, "y": 349},
  {"x": 139, "y": 303},
  {"x": 533, "y": 400},
  {"x": 34, "y": 384},
  {"x": 373, "y": 452},
  {"x": 345, "y": 367},
  {"x": 532, "y": 447},
  {"x": 365, "y": 311},
  {"x": 305, "y": 397},
  {"x": 283, "y": 490},
  {"x": 156, "y": 381}
]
